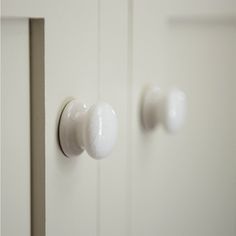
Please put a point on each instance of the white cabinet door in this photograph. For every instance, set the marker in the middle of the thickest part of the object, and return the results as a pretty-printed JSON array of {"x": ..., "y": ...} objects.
[
  {"x": 185, "y": 184},
  {"x": 85, "y": 54},
  {"x": 15, "y": 128}
]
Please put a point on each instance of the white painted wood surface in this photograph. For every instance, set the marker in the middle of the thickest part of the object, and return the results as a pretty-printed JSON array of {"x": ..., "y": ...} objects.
[
  {"x": 186, "y": 184},
  {"x": 113, "y": 216},
  {"x": 15, "y": 128},
  {"x": 152, "y": 184}
]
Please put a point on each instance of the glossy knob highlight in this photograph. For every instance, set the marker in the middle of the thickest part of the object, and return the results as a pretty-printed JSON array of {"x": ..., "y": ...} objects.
[
  {"x": 166, "y": 109},
  {"x": 93, "y": 129}
]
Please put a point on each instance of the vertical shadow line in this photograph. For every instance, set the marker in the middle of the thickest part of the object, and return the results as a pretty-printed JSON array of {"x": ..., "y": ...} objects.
[
  {"x": 37, "y": 126},
  {"x": 130, "y": 110},
  {"x": 98, "y": 187}
]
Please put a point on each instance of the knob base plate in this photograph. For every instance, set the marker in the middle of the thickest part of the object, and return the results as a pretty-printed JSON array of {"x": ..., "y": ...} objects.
[
  {"x": 68, "y": 127},
  {"x": 149, "y": 107}
]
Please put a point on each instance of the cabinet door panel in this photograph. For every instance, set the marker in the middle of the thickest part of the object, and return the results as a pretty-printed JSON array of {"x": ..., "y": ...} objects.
[
  {"x": 185, "y": 184},
  {"x": 114, "y": 90},
  {"x": 70, "y": 71},
  {"x": 15, "y": 128}
]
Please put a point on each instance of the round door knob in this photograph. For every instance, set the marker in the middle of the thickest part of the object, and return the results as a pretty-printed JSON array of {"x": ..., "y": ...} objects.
[
  {"x": 93, "y": 129},
  {"x": 166, "y": 109}
]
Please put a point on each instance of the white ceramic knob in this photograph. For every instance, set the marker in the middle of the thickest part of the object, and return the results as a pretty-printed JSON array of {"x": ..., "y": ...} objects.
[
  {"x": 166, "y": 109},
  {"x": 93, "y": 129}
]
